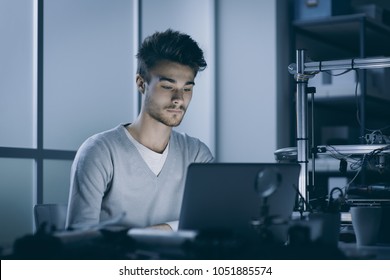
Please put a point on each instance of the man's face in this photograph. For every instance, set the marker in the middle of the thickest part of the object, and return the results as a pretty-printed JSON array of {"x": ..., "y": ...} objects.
[{"x": 169, "y": 92}]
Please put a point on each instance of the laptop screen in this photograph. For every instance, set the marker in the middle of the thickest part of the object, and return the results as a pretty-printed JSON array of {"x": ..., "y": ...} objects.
[{"x": 228, "y": 196}]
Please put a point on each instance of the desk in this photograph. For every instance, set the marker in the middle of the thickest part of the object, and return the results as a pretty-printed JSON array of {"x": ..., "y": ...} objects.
[
  {"x": 352, "y": 251},
  {"x": 107, "y": 244}
]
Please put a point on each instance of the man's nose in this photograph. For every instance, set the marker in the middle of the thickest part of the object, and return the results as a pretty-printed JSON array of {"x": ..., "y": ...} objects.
[{"x": 177, "y": 96}]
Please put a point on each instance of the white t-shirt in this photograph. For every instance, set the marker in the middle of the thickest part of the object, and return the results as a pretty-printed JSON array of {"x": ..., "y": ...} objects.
[{"x": 154, "y": 160}]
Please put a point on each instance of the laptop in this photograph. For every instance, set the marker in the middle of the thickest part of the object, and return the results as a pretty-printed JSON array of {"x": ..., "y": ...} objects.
[{"x": 228, "y": 196}]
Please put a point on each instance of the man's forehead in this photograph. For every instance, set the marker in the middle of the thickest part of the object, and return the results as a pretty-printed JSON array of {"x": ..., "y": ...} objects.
[{"x": 172, "y": 72}]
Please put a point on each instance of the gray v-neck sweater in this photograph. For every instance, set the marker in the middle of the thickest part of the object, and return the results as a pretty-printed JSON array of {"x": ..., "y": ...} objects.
[{"x": 109, "y": 177}]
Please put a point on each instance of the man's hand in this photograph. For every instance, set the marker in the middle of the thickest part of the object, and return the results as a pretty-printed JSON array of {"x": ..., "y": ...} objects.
[{"x": 161, "y": 227}]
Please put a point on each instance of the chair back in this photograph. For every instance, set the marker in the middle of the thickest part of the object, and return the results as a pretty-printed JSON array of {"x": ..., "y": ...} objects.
[{"x": 54, "y": 215}]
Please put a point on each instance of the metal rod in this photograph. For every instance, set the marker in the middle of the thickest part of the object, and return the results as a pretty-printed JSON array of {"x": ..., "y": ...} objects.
[
  {"x": 302, "y": 137},
  {"x": 312, "y": 148},
  {"x": 357, "y": 63},
  {"x": 40, "y": 88}
]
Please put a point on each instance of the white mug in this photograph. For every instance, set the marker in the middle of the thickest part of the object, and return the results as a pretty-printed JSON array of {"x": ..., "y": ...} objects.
[{"x": 366, "y": 221}]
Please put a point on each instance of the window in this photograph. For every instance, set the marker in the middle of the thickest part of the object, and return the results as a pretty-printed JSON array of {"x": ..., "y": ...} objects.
[{"x": 66, "y": 73}]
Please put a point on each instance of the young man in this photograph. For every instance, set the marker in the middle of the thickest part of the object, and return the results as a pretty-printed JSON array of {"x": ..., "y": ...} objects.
[{"x": 138, "y": 170}]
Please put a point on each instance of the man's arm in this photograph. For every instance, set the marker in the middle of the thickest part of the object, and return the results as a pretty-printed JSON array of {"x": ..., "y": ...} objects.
[
  {"x": 162, "y": 227},
  {"x": 91, "y": 171}
]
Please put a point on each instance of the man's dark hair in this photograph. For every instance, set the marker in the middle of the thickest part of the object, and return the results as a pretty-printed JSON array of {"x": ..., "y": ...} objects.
[{"x": 169, "y": 45}]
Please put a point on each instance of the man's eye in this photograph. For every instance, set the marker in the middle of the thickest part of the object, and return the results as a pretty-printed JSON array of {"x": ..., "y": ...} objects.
[
  {"x": 187, "y": 89},
  {"x": 166, "y": 87}
]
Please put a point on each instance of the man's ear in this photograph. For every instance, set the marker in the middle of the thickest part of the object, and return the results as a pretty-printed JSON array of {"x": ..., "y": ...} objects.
[{"x": 139, "y": 80}]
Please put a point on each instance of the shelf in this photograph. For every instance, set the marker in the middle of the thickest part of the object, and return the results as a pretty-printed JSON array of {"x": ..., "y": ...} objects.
[
  {"x": 375, "y": 107},
  {"x": 345, "y": 33}
]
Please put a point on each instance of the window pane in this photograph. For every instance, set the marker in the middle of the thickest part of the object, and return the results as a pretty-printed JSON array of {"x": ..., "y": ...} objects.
[
  {"x": 88, "y": 72},
  {"x": 16, "y": 73},
  {"x": 56, "y": 181},
  {"x": 16, "y": 204}
]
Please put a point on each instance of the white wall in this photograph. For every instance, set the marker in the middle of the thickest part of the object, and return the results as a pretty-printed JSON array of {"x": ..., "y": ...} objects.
[
  {"x": 246, "y": 73},
  {"x": 88, "y": 71},
  {"x": 16, "y": 73}
]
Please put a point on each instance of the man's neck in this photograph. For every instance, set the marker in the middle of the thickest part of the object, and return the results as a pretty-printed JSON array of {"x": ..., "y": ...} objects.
[{"x": 150, "y": 133}]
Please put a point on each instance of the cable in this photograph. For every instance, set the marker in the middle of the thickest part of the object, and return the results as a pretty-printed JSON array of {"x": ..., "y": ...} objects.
[
  {"x": 379, "y": 129},
  {"x": 356, "y": 91},
  {"x": 338, "y": 74},
  {"x": 334, "y": 153},
  {"x": 336, "y": 189},
  {"x": 358, "y": 106},
  {"x": 331, "y": 205},
  {"x": 357, "y": 98},
  {"x": 308, "y": 206}
]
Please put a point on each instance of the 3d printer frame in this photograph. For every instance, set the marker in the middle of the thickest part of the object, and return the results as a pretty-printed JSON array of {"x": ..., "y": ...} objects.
[{"x": 304, "y": 70}]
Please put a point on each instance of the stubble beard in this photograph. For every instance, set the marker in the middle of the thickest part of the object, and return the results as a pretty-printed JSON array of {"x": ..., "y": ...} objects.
[{"x": 171, "y": 120}]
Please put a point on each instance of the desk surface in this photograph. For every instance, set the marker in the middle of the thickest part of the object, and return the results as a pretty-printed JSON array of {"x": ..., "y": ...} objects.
[
  {"x": 119, "y": 245},
  {"x": 352, "y": 251}
]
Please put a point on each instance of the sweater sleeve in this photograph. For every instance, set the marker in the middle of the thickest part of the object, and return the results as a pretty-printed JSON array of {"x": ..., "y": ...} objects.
[
  {"x": 90, "y": 176},
  {"x": 204, "y": 154}
]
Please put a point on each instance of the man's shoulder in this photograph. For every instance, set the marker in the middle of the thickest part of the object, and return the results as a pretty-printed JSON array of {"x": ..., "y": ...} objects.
[
  {"x": 108, "y": 134},
  {"x": 104, "y": 139},
  {"x": 192, "y": 143},
  {"x": 184, "y": 138}
]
